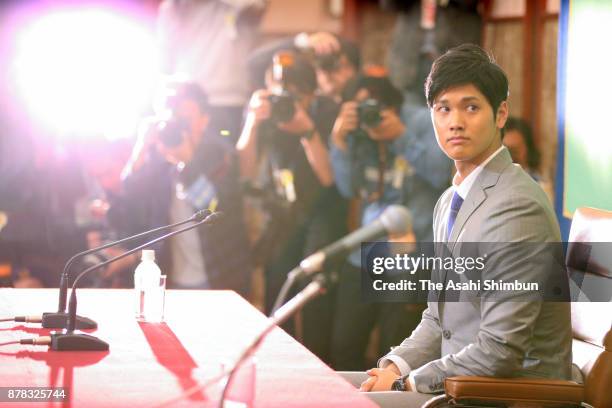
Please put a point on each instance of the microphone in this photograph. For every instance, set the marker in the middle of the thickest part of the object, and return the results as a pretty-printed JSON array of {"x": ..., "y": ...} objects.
[
  {"x": 395, "y": 220},
  {"x": 70, "y": 340},
  {"x": 59, "y": 319}
]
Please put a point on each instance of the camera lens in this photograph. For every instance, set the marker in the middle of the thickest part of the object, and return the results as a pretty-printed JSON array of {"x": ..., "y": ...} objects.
[
  {"x": 282, "y": 107},
  {"x": 369, "y": 113}
]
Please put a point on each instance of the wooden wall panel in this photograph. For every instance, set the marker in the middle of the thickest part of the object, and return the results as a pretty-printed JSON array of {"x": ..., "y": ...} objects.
[
  {"x": 376, "y": 34},
  {"x": 505, "y": 39},
  {"x": 547, "y": 99},
  {"x": 288, "y": 17}
]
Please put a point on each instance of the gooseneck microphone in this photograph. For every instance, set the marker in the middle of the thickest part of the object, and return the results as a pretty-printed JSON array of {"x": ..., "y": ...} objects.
[
  {"x": 59, "y": 319},
  {"x": 312, "y": 290},
  {"x": 394, "y": 220},
  {"x": 69, "y": 340}
]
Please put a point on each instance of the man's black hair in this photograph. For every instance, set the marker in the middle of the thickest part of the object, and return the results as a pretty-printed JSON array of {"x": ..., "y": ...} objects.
[
  {"x": 300, "y": 74},
  {"x": 521, "y": 126},
  {"x": 464, "y": 65},
  {"x": 351, "y": 50},
  {"x": 379, "y": 88}
]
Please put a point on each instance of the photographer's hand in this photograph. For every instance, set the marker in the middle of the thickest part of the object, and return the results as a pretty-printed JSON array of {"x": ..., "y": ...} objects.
[
  {"x": 258, "y": 110},
  {"x": 315, "y": 149},
  {"x": 299, "y": 124},
  {"x": 390, "y": 127},
  {"x": 346, "y": 122},
  {"x": 259, "y": 106},
  {"x": 323, "y": 43},
  {"x": 147, "y": 137}
]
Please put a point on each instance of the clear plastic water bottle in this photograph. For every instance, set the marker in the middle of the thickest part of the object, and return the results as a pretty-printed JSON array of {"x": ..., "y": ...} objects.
[{"x": 147, "y": 277}]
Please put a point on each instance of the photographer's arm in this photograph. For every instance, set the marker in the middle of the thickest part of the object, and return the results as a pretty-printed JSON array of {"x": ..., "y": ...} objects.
[
  {"x": 346, "y": 122},
  {"x": 316, "y": 151},
  {"x": 258, "y": 111},
  {"x": 390, "y": 128},
  {"x": 247, "y": 148},
  {"x": 339, "y": 150},
  {"x": 318, "y": 157}
]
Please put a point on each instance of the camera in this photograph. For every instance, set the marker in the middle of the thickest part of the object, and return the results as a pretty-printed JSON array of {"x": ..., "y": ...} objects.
[
  {"x": 327, "y": 62},
  {"x": 172, "y": 131},
  {"x": 368, "y": 112},
  {"x": 282, "y": 107}
]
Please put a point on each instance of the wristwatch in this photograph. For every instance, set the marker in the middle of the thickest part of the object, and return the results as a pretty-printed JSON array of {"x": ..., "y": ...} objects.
[{"x": 400, "y": 384}]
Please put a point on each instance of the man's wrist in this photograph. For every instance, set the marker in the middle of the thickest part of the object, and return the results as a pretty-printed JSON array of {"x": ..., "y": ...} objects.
[
  {"x": 308, "y": 134},
  {"x": 339, "y": 140},
  {"x": 401, "y": 384}
]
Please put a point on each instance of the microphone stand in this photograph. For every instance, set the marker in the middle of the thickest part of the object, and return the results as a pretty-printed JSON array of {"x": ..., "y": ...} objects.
[
  {"x": 309, "y": 265},
  {"x": 312, "y": 290},
  {"x": 59, "y": 319},
  {"x": 69, "y": 340}
]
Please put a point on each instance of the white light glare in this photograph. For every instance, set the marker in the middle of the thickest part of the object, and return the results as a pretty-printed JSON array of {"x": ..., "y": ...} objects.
[{"x": 87, "y": 71}]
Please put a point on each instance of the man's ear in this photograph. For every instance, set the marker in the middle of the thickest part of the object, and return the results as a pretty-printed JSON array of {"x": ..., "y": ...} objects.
[{"x": 502, "y": 115}]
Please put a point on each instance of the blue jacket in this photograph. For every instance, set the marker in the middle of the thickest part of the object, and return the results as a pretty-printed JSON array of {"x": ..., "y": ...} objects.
[{"x": 416, "y": 172}]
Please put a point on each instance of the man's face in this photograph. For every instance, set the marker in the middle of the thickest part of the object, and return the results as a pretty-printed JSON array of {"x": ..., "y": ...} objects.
[
  {"x": 332, "y": 83},
  {"x": 514, "y": 141},
  {"x": 466, "y": 128}
]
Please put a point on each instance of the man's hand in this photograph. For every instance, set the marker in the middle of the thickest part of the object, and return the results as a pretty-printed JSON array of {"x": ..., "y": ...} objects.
[
  {"x": 25, "y": 280},
  {"x": 300, "y": 122},
  {"x": 389, "y": 128},
  {"x": 323, "y": 43},
  {"x": 259, "y": 105},
  {"x": 346, "y": 122},
  {"x": 380, "y": 379}
]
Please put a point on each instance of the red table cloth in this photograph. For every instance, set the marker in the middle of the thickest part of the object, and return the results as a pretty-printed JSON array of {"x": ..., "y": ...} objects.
[{"x": 149, "y": 364}]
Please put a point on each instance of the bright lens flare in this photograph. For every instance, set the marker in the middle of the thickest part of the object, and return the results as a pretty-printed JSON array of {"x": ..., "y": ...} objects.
[{"x": 86, "y": 72}]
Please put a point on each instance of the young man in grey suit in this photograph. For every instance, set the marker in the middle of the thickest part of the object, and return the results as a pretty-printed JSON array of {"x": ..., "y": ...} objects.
[{"x": 491, "y": 201}]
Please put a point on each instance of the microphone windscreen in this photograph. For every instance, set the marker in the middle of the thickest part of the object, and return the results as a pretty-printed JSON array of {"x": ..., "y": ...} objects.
[{"x": 397, "y": 220}]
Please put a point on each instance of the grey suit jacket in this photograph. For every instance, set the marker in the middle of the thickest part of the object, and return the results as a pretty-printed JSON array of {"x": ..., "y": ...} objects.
[{"x": 493, "y": 338}]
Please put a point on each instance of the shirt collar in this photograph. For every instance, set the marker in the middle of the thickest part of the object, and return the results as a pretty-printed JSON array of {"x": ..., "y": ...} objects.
[{"x": 464, "y": 187}]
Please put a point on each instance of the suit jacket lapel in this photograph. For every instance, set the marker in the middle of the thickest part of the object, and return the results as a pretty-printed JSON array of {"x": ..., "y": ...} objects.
[{"x": 477, "y": 194}]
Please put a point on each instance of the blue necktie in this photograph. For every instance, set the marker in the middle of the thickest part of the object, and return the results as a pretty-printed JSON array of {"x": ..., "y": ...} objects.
[{"x": 452, "y": 216}]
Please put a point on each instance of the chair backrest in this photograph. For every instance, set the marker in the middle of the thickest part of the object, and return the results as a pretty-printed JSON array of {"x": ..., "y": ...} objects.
[{"x": 592, "y": 321}]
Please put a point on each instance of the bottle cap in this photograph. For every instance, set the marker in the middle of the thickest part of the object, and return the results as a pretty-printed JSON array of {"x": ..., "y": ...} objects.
[{"x": 148, "y": 255}]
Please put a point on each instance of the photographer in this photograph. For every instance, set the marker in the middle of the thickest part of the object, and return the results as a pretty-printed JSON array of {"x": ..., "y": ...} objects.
[
  {"x": 382, "y": 153},
  {"x": 176, "y": 169},
  {"x": 336, "y": 60},
  {"x": 283, "y": 149}
]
